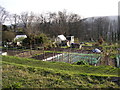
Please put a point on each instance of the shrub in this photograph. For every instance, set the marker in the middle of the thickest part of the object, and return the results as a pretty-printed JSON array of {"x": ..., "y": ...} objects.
[
  {"x": 100, "y": 40},
  {"x": 82, "y": 63},
  {"x": 36, "y": 41},
  {"x": 8, "y": 36}
]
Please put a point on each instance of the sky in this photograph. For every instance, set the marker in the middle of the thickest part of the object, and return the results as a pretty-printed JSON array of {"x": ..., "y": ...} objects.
[{"x": 85, "y": 8}]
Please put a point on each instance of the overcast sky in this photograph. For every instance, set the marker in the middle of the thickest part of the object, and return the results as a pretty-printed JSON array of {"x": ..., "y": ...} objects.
[{"x": 85, "y": 8}]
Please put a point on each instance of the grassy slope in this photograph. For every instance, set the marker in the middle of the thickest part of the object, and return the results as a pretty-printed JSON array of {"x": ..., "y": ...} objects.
[{"x": 23, "y": 72}]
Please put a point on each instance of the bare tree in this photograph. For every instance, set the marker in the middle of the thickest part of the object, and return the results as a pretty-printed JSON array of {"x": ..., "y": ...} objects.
[
  {"x": 3, "y": 14},
  {"x": 15, "y": 21},
  {"x": 31, "y": 26},
  {"x": 118, "y": 30},
  {"x": 24, "y": 19}
]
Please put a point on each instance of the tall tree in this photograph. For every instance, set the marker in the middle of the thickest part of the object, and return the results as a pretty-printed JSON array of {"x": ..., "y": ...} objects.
[
  {"x": 118, "y": 30},
  {"x": 3, "y": 14},
  {"x": 15, "y": 21}
]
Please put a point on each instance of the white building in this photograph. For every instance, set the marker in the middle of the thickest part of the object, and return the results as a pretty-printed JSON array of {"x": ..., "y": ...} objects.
[
  {"x": 60, "y": 38},
  {"x": 70, "y": 39},
  {"x": 19, "y": 36}
]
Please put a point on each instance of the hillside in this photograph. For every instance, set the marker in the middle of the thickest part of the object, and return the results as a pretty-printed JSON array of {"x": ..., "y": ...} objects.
[
  {"x": 109, "y": 17},
  {"x": 30, "y": 73}
]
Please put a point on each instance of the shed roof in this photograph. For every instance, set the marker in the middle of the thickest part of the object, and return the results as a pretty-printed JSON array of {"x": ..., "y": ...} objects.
[
  {"x": 62, "y": 37},
  {"x": 19, "y": 36}
]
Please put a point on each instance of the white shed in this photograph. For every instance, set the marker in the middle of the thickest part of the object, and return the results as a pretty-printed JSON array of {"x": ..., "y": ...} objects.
[
  {"x": 60, "y": 38},
  {"x": 19, "y": 36},
  {"x": 70, "y": 39}
]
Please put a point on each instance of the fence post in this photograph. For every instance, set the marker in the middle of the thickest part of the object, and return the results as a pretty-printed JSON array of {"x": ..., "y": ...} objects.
[
  {"x": 70, "y": 55},
  {"x": 53, "y": 54},
  {"x": 43, "y": 53},
  {"x": 62, "y": 56}
]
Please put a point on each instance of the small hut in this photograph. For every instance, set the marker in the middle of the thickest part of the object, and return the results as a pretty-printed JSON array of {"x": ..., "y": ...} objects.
[
  {"x": 61, "y": 40},
  {"x": 18, "y": 37}
]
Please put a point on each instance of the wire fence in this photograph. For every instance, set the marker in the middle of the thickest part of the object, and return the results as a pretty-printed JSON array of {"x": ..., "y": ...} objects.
[{"x": 72, "y": 57}]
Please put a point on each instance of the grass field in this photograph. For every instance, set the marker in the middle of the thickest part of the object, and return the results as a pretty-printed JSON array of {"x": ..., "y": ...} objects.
[{"x": 29, "y": 73}]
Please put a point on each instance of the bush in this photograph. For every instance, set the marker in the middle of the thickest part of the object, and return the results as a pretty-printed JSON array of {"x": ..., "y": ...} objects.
[
  {"x": 36, "y": 41},
  {"x": 8, "y": 36},
  {"x": 82, "y": 63},
  {"x": 41, "y": 38},
  {"x": 100, "y": 40}
]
